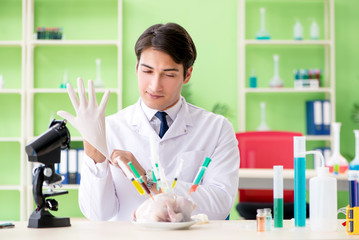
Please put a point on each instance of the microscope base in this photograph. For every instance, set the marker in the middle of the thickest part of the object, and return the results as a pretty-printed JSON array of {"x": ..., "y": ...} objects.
[{"x": 44, "y": 219}]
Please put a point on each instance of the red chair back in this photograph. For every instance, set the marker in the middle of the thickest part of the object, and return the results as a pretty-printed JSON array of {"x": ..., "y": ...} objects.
[{"x": 264, "y": 150}]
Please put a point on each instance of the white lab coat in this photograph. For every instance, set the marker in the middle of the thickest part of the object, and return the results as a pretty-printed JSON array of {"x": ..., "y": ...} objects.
[{"x": 106, "y": 194}]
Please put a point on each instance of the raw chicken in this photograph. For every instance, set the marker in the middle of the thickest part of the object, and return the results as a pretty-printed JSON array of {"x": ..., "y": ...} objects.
[{"x": 165, "y": 207}]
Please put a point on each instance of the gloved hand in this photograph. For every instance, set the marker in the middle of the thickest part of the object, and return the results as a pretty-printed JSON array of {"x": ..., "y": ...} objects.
[{"x": 90, "y": 118}]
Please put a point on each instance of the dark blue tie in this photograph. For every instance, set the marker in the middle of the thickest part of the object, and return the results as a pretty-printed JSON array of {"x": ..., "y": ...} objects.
[{"x": 164, "y": 126}]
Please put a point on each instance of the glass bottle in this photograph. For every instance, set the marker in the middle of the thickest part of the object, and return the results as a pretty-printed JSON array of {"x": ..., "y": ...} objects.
[
  {"x": 261, "y": 220},
  {"x": 268, "y": 217}
]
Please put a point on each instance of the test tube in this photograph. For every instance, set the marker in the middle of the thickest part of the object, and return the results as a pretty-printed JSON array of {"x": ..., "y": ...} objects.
[
  {"x": 130, "y": 176},
  {"x": 278, "y": 196},
  {"x": 352, "y": 197},
  {"x": 299, "y": 182}
]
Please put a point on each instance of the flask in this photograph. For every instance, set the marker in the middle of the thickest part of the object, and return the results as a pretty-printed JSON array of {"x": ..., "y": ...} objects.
[
  {"x": 263, "y": 125},
  {"x": 276, "y": 81},
  {"x": 354, "y": 164},
  {"x": 263, "y": 33},
  {"x": 314, "y": 31},
  {"x": 336, "y": 162},
  {"x": 323, "y": 201},
  {"x": 298, "y": 30},
  {"x": 268, "y": 217},
  {"x": 261, "y": 220}
]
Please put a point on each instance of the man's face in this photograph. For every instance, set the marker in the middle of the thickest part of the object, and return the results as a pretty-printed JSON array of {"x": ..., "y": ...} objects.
[{"x": 160, "y": 79}]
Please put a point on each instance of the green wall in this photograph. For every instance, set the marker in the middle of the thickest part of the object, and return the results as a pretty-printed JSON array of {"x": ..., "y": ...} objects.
[
  {"x": 213, "y": 27},
  {"x": 347, "y": 77}
]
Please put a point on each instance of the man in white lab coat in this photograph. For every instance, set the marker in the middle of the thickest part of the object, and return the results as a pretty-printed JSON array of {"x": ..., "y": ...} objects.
[{"x": 165, "y": 58}]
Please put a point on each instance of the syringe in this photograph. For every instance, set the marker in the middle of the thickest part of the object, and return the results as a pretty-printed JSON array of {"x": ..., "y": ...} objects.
[
  {"x": 178, "y": 172},
  {"x": 200, "y": 174},
  {"x": 139, "y": 178},
  {"x": 130, "y": 176}
]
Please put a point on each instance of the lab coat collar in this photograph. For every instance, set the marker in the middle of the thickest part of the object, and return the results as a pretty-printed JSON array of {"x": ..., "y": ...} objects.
[{"x": 179, "y": 127}]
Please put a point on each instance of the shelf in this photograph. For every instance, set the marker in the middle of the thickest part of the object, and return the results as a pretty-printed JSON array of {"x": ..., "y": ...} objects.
[
  {"x": 69, "y": 186},
  {"x": 53, "y": 90},
  {"x": 10, "y": 187},
  {"x": 16, "y": 91},
  {"x": 288, "y": 42},
  {"x": 11, "y": 43},
  {"x": 288, "y": 90},
  {"x": 74, "y": 42},
  {"x": 318, "y": 138},
  {"x": 10, "y": 139}
]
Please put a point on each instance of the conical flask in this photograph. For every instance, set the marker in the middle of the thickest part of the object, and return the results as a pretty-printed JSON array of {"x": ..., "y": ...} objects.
[
  {"x": 263, "y": 33},
  {"x": 336, "y": 162},
  {"x": 354, "y": 164}
]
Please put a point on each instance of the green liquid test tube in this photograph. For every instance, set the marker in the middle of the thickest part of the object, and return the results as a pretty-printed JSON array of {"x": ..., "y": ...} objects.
[{"x": 278, "y": 196}]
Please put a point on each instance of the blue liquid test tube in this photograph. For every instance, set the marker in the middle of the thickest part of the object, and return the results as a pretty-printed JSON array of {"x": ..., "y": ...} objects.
[
  {"x": 352, "y": 195},
  {"x": 299, "y": 182},
  {"x": 278, "y": 196}
]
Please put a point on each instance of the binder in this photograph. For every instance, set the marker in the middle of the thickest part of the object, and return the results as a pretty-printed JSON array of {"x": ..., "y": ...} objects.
[
  {"x": 72, "y": 169},
  {"x": 63, "y": 166},
  {"x": 80, "y": 156},
  {"x": 326, "y": 117},
  {"x": 314, "y": 117}
]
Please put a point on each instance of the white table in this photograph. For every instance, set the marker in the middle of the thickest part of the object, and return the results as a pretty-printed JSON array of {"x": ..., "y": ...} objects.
[
  {"x": 215, "y": 230},
  {"x": 257, "y": 178}
]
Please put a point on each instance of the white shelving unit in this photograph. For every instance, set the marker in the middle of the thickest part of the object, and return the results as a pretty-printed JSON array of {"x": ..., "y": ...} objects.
[
  {"x": 22, "y": 93},
  {"x": 328, "y": 44},
  {"x": 29, "y": 90}
]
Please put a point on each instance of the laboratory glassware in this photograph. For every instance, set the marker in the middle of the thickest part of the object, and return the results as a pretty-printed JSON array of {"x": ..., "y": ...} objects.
[
  {"x": 263, "y": 125},
  {"x": 263, "y": 33},
  {"x": 268, "y": 217},
  {"x": 299, "y": 182},
  {"x": 336, "y": 162},
  {"x": 278, "y": 196},
  {"x": 354, "y": 164},
  {"x": 298, "y": 30},
  {"x": 314, "y": 30},
  {"x": 261, "y": 220},
  {"x": 98, "y": 83},
  {"x": 276, "y": 81}
]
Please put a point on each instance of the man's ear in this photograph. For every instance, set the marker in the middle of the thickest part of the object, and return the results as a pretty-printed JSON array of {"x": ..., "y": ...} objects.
[
  {"x": 188, "y": 75},
  {"x": 136, "y": 67}
]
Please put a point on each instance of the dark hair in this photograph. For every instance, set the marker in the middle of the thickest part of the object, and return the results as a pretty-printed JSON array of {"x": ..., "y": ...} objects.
[{"x": 170, "y": 38}]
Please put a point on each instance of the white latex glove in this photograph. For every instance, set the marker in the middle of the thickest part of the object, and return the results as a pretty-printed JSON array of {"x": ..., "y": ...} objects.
[{"x": 90, "y": 118}]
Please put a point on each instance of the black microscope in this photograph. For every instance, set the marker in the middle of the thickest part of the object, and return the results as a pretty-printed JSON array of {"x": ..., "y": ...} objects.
[{"x": 46, "y": 149}]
